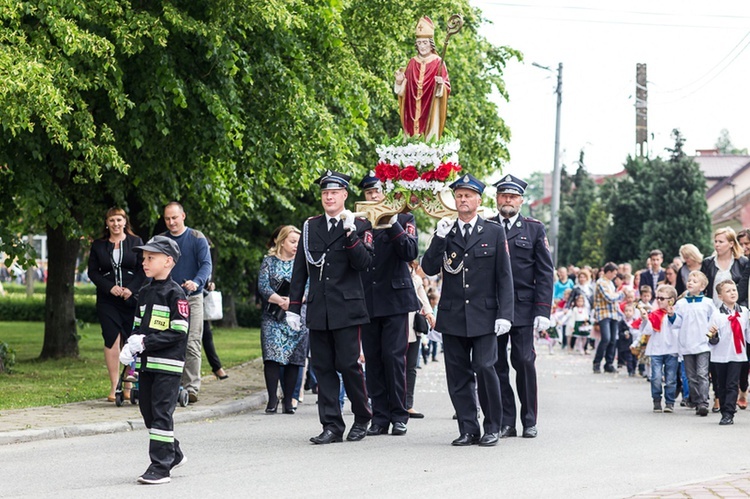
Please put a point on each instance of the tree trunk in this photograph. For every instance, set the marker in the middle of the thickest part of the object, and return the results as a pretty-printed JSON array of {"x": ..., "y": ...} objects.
[
  {"x": 230, "y": 312},
  {"x": 60, "y": 328}
]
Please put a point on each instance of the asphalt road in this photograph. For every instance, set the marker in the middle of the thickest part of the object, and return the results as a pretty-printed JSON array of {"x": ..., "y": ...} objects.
[{"x": 597, "y": 438}]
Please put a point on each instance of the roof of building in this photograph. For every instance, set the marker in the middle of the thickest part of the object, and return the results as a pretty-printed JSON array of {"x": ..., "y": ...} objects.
[{"x": 719, "y": 167}]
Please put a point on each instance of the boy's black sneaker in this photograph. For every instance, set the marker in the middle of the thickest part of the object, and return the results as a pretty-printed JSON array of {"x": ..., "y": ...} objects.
[
  {"x": 657, "y": 405},
  {"x": 151, "y": 478},
  {"x": 179, "y": 463},
  {"x": 726, "y": 420}
]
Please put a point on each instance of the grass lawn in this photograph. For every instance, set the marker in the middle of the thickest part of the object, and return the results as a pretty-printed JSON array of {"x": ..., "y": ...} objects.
[{"x": 33, "y": 383}]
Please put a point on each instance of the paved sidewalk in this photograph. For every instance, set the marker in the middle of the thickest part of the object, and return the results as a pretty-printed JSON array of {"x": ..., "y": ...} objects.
[
  {"x": 244, "y": 390},
  {"x": 735, "y": 485}
]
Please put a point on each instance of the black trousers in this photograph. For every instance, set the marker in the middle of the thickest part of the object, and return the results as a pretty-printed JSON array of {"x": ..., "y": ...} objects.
[
  {"x": 332, "y": 351},
  {"x": 522, "y": 358},
  {"x": 209, "y": 348},
  {"x": 465, "y": 357},
  {"x": 384, "y": 342},
  {"x": 157, "y": 398},
  {"x": 726, "y": 385}
]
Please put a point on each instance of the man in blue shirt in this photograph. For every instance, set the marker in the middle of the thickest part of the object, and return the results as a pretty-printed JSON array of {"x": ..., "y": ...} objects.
[{"x": 192, "y": 272}]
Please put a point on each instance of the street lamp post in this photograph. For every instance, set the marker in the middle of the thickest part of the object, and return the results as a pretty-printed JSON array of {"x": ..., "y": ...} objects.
[{"x": 555, "y": 205}]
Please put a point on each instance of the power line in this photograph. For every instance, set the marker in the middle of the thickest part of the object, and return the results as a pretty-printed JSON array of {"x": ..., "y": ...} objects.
[
  {"x": 713, "y": 68},
  {"x": 619, "y": 12}
]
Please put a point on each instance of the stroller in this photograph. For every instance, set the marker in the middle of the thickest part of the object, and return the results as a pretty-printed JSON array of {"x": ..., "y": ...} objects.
[{"x": 128, "y": 375}]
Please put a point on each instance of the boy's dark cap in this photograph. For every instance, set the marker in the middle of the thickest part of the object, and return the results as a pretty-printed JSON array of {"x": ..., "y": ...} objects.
[{"x": 161, "y": 244}]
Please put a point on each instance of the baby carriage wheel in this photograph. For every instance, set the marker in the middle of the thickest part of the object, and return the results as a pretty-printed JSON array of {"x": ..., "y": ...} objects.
[{"x": 182, "y": 398}]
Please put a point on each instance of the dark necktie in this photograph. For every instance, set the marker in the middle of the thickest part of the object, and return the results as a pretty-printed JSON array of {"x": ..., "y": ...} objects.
[
  {"x": 506, "y": 222},
  {"x": 333, "y": 225},
  {"x": 467, "y": 231}
]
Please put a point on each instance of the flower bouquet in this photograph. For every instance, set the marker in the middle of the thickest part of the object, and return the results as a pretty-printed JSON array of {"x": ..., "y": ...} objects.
[{"x": 417, "y": 171}]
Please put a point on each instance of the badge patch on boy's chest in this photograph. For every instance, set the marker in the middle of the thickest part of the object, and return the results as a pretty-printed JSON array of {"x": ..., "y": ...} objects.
[{"x": 159, "y": 323}]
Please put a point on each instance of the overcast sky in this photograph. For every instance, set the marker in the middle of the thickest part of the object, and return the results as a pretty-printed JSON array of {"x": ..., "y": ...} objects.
[{"x": 698, "y": 76}]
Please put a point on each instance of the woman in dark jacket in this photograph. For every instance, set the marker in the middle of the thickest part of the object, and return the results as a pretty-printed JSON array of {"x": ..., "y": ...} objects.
[
  {"x": 727, "y": 262},
  {"x": 116, "y": 271}
]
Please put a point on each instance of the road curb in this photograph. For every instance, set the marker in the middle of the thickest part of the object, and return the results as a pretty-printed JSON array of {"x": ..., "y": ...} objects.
[{"x": 222, "y": 409}]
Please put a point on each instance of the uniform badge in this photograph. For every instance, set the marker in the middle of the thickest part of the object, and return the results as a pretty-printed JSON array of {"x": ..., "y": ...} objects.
[
  {"x": 546, "y": 243},
  {"x": 466, "y": 179},
  {"x": 411, "y": 229},
  {"x": 183, "y": 307},
  {"x": 368, "y": 238},
  {"x": 329, "y": 173},
  {"x": 518, "y": 224},
  {"x": 507, "y": 179}
]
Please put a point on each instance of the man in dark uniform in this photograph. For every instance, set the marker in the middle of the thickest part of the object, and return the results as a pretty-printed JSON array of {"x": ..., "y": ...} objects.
[
  {"x": 390, "y": 297},
  {"x": 334, "y": 249},
  {"x": 533, "y": 283},
  {"x": 476, "y": 304}
]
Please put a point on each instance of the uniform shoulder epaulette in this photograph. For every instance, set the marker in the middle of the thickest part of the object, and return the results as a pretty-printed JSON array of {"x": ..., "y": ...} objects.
[
  {"x": 314, "y": 217},
  {"x": 492, "y": 221},
  {"x": 533, "y": 220}
]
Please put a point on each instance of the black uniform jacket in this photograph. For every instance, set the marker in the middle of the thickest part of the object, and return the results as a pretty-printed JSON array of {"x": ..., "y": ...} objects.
[
  {"x": 163, "y": 316},
  {"x": 389, "y": 289},
  {"x": 533, "y": 271},
  {"x": 336, "y": 298},
  {"x": 102, "y": 273},
  {"x": 482, "y": 291}
]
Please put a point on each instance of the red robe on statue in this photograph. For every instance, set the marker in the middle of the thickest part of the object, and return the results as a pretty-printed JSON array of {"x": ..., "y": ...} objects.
[{"x": 422, "y": 112}]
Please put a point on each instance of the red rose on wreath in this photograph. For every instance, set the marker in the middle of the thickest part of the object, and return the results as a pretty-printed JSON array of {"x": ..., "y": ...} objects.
[
  {"x": 386, "y": 171},
  {"x": 443, "y": 171},
  {"x": 409, "y": 173},
  {"x": 428, "y": 176}
]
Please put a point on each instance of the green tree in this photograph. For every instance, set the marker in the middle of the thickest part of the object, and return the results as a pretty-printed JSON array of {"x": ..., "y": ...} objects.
[
  {"x": 594, "y": 235},
  {"x": 679, "y": 213},
  {"x": 574, "y": 218},
  {"x": 627, "y": 199},
  {"x": 232, "y": 108},
  {"x": 725, "y": 146}
]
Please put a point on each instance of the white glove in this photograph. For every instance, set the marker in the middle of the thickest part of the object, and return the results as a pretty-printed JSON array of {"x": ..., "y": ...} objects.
[
  {"x": 502, "y": 326},
  {"x": 541, "y": 323},
  {"x": 348, "y": 218},
  {"x": 126, "y": 356},
  {"x": 135, "y": 343},
  {"x": 443, "y": 227},
  {"x": 294, "y": 320},
  {"x": 393, "y": 219}
]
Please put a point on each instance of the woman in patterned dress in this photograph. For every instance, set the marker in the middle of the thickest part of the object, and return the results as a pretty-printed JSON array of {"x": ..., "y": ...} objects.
[{"x": 281, "y": 345}]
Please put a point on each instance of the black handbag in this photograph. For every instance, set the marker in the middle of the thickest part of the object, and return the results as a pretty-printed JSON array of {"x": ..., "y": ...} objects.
[
  {"x": 420, "y": 323},
  {"x": 276, "y": 311}
]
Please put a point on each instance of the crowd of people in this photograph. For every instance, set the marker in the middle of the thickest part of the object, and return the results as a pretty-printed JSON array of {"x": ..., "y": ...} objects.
[{"x": 683, "y": 326}]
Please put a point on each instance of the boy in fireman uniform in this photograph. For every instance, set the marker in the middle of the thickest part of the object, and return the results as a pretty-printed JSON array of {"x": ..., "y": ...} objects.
[{"x": 158, "y": 344}]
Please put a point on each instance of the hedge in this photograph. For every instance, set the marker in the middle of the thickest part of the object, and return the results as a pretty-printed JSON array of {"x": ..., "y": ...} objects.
[{"x": 16, "y": 307}]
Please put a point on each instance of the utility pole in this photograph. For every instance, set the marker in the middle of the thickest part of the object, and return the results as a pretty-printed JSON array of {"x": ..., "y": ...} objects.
[
  {"x": 555, "y": 204},
  {"x": 555, "y": 222},
  {"x": 641, "y": 111}
]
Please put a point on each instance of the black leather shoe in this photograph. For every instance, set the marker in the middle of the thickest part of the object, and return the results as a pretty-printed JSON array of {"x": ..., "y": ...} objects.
[
  {"x": 508, "y": 431},
  {"x": 399, "y": 428},
  {"x": 529, "y": 432},
  {"x": 466, "y": 439},
  {"x": 357, "y": 433},
  {"x": 327, "y": 437},
  {"x": 489, "y": 439},
  {"x": 376, "y": 429}
]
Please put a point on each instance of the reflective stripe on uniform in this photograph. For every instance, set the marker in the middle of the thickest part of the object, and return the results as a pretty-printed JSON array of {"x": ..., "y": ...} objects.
[
  {"x": 163, "y": 364},
  {"x": 161, "y": 435},
  {"x": 179, "y": 325}
]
